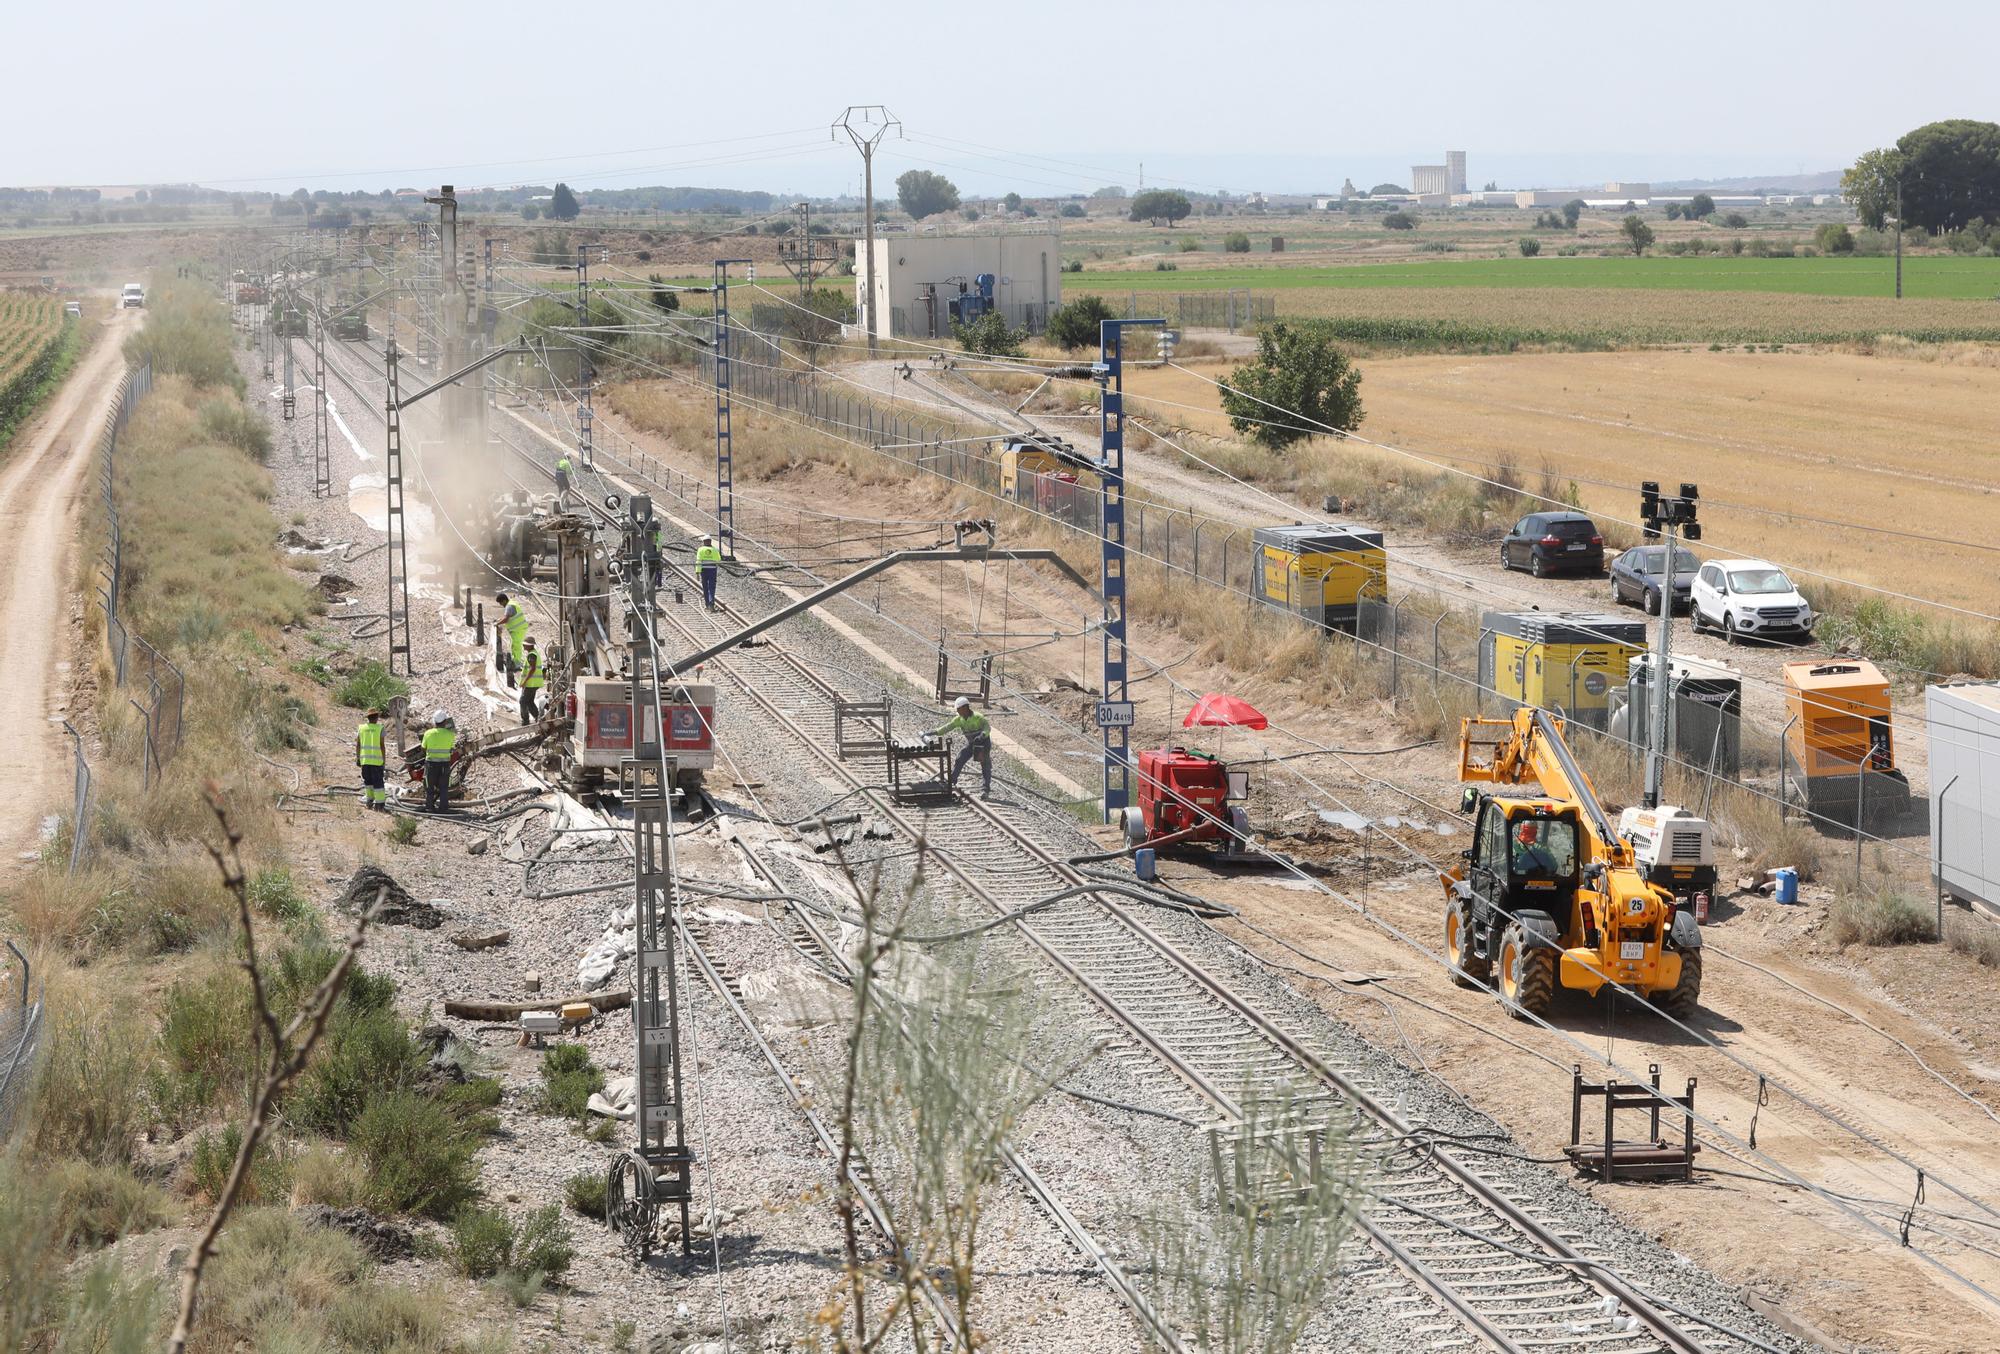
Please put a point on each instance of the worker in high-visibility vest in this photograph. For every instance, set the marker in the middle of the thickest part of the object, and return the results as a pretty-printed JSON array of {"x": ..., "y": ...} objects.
[
  {"x": 978, "y": 732},
  {"x": 708, "y": 559},
  {"x": 514, "y": 624},
  {"x": 562, "y": 474},
  {"x": 368, "y": 756},
  {"x": 532, "y": 681},
  {"x": 439, "y": 739}
]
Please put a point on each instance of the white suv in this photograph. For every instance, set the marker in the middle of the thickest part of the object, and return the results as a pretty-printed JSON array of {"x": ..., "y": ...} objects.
[
  {"x": 133, "y": 295},
  {"x": 1748, "y": 598}
]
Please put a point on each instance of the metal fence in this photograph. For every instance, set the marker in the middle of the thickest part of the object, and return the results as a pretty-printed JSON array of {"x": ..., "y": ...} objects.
[
  {"x": 79, "y": 812},
  {"x": 132, "y": 658},
  {"x": 1233, "y": 309},
  {"x": 20, "y": 1041}
]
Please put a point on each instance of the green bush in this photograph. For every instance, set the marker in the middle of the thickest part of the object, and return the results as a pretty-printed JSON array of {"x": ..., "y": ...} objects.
[
  {"x": 1399, "y": 221},
  {"x": 990, "y": 335},
  {"x": 1163, "y": 266},
  {"x": 585, "y": 1193},
  {"x": 419, "y": 1154},
  {"x": 275, "y": 893},
  {"x": 546, "y": 1245},
  {"x": 1530, "y": 247},
  {"x": 232, "y": 422},
  {"x": 569, "y": 1079},
  {"x": 206, "y": 1046},
  {"x": 1880, "y": 918},
  {"x": 1077, "y": 324},
  {"x": 1834, "y": 237},
  {"x": 214, "y": 1156},
  {"x": 403, "y": 831},
  {"x": 1236, "y": 242},
  {"x": 364, "y": 1054},
  {"x": 482, "y": 1242},
  {"x": 371, "y": 688}
]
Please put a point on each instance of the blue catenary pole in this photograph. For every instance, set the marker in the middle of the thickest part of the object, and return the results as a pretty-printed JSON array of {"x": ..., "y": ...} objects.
[{"x": 1111, "y": 476}]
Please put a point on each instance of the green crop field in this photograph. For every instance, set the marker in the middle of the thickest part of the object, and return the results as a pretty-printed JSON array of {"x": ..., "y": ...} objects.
[{"x": 1952, "y": 277}]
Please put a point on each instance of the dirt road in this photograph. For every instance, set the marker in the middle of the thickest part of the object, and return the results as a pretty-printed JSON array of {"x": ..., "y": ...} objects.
[{"x": 41, "y": 483}]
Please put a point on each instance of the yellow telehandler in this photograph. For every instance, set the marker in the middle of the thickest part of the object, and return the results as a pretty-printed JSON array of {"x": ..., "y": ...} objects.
[{"x": 1549, "y": 894}]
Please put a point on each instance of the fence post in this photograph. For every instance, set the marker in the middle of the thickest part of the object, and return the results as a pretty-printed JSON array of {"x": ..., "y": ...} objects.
[{"x": 79, "y": 817}]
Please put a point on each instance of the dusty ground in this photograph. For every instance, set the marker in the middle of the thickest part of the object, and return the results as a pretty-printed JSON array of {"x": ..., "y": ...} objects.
[
  {"x": 45, "y": 475},
  {"x": 1832, "y": 1273}
]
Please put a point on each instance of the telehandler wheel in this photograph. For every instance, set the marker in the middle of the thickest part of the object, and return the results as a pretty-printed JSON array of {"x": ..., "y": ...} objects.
[
  {"x": 1683, "y": 999},
  {"x": 1457, "y": 932},
  {"x": 1527, "y": 974}
]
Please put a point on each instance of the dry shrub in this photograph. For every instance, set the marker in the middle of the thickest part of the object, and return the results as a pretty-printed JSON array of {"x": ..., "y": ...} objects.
[
  {"x": 90, "y": 1100},
  {"x": 1880, "y": 916},
  {"x": 323, "y": 1174}
]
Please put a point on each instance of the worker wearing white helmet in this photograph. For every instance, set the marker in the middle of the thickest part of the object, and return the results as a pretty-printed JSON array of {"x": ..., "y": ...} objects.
[
  {"x": 708, "y": 559},
  {"x": 978, "y": 731},
  {"x": 439, "y": 740}
]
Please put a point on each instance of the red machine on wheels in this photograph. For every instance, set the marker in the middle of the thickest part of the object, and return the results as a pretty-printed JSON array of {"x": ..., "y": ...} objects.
[{"x": 1189, "y": 798}]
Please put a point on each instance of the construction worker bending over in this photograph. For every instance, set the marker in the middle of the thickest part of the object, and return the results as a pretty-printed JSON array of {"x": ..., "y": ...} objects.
[
  {"x": 368, "y": 756},
  {"x": 532, "y": 679},
  {"x": 978, "y": 731},
  {"x": 439, "y": 739},
  {"x": 562, "y": 475},
  {"x": 515, "y": 624},
  {"x": 708, "y": 559}
]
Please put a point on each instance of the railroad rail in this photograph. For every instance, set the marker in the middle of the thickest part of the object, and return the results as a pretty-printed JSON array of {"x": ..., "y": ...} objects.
[{"x": 1515, "y": 1280}]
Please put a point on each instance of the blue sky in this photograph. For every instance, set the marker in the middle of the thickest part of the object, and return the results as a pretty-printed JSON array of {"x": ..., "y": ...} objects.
[{"x": 1038, "y": 97}]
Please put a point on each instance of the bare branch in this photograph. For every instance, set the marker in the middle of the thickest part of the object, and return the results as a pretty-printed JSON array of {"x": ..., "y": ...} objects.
[{"x": 290, "y": 1048}]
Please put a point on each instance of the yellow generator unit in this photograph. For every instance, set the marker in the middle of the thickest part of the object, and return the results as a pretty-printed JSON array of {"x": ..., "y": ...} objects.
[
  {"x": 1563, "y": 661},
  {"x": 1334, "y": 576},
  {"x": 1840, "y": 745}
]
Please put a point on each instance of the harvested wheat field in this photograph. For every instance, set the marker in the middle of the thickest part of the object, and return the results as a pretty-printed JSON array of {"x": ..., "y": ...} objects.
[{"x": 1893, "y": 442}]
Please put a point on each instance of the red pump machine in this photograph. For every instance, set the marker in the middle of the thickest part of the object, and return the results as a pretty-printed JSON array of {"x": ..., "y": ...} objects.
[{"x": 1188, "y": 799}]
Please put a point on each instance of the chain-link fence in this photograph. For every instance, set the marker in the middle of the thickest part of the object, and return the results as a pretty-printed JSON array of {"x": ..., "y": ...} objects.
[
  {"x": 132, "y": 658},
  {"x": 79, "y": 811},
  {"x": 1233, "y": 309},
  {"x": 20, "y": 1038}
]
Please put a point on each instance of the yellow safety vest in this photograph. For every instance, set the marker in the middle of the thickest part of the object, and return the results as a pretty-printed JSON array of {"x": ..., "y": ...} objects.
[
  {"x": 972, "y": 726},
  {"x": 707, "y": 554},
  {"x": 563, "y": 465},
  {"x": 368, "y": 738},
  {"x": 531, "y": 675},
  {"x": 514, "y": 621},
  {"x": 438, "y": 744}
]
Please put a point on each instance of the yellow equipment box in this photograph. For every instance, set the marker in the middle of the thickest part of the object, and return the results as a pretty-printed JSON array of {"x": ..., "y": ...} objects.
[
  {"x": 1562, "y": 661},
  {"x": 1334, "y": 576}
]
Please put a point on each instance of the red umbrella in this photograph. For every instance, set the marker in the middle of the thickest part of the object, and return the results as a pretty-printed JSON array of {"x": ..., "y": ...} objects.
[{"x": 1216, "y": 710}]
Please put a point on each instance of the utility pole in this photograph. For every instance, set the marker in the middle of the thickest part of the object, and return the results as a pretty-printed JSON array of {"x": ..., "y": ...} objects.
[
  {"x": 396, "y": 527},
  {"x": 725, "y": 448},
  {"x": 1114, "y": 709},
  {"x": 857, "y": 122},
  {"x": 288, "y": 398},
  {"x": 1899, "y": 237},
  {"x": 661, "y": 1158},
  {"x": 322, "y": 459},
  {"x": 1674, "y": 517},
  {"x": 585, "y": 373}
]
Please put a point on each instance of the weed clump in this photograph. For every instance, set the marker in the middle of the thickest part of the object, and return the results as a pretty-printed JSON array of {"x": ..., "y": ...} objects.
[{"x": 569, "y": 1079}]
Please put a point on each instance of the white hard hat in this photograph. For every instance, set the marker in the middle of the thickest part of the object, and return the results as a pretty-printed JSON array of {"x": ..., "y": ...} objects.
[
  {"x": 962, "y": 703},
  {"x": 441, "y": 717},
  {"x": 708, "y": 540}
]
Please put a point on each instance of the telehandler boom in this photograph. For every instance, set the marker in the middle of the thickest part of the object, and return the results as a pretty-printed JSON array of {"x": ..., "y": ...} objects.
[{"x": 1549, "y": 893}]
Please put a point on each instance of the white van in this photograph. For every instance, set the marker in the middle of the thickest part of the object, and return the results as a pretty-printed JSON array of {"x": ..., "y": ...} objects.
[{"x": 133, "y": 295}]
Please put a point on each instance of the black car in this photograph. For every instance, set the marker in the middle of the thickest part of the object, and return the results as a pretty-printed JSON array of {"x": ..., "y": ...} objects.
[
  {"x": 1547, "y": 543},
  {"x": 1637, "y": 574}
]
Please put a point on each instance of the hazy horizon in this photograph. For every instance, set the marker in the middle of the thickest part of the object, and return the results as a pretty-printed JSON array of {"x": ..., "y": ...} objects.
[{"x": 1068, "y": 99}]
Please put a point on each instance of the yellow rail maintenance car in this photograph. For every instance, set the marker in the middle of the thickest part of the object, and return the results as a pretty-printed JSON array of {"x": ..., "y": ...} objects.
[
  {"x": 1563, "y": 661},
  {"x": 1334, "y": 576}
]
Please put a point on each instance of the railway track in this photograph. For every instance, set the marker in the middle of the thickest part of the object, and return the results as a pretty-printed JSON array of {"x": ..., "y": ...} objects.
[{"x": 1512, "y": 1280}]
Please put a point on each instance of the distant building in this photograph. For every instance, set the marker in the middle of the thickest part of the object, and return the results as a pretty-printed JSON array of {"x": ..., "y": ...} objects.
[
  {"x": 916, "y": 276},
  {"x": 1426, "y": 179},
  {"x": 1347, "y": 189},
  {"x": 1454, "y": 171},
  {"x": 1633, "y": 192}
]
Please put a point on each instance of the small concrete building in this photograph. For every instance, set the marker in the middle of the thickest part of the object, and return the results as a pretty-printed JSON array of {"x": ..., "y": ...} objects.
[{"x": 917, "y": 276}]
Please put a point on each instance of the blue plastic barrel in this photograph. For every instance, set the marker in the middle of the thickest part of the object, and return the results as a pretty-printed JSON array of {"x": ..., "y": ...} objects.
[
  {"x": 1788, "y": 883},
  {"x": 1143, "y": 863}
]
